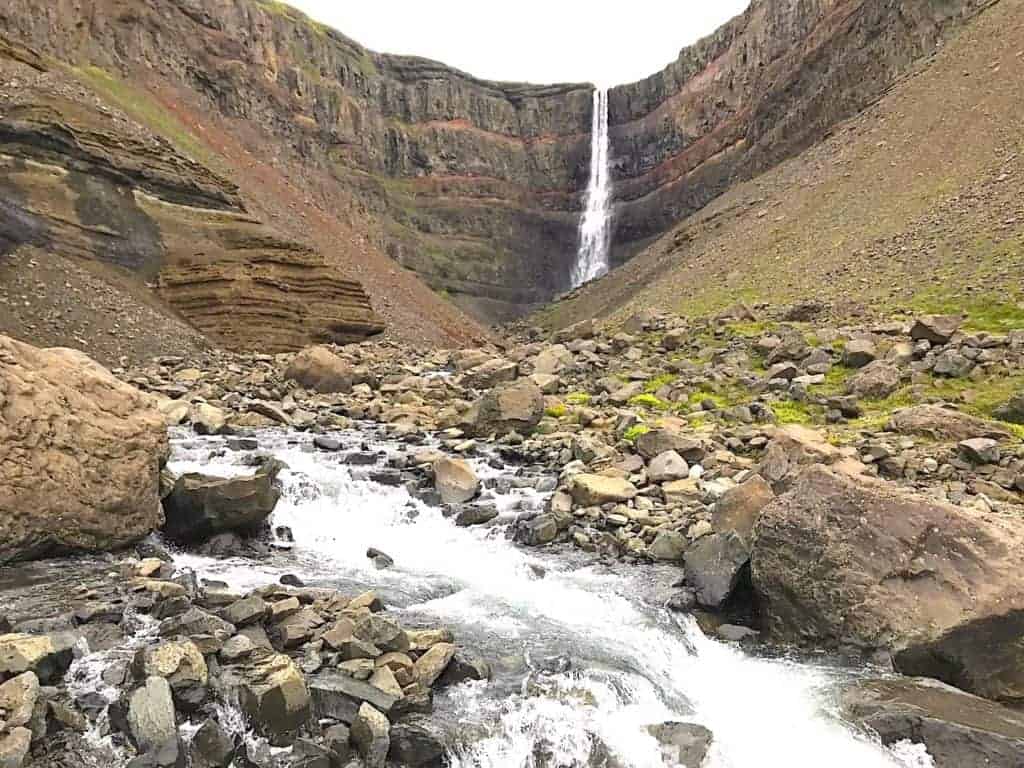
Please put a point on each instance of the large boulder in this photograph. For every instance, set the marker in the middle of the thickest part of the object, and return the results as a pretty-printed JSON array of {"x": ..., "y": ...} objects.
[
  {"x": 713, "y": 566},
  {"x": 200, "y": 506},
  {"x": 739, "y": 507},
  {"x": 151, "y": 719},
  {"x": 793, "y": 447},
  {"x": 939, "y": 423},
  {"x": 856, "y": 561},
  {"x": 937, "y": 329},
  {"x": 958, "y": 729},
  {"x": 683, "y": 744},
  {"x": 658, "y": 441},
  {"x": 517, "y": 407},
  {"x": 48, "y": 656},
  {"x": 455, "y": 480},
  {"x": 81, "y": 455},
  {"x": 320, "y": 370},
  {"x": 272, "y": 693},
  {"x": 594, "y": 490},
  {"x": 1012, "y": 410},
  {"x": 875, "y": 380}
]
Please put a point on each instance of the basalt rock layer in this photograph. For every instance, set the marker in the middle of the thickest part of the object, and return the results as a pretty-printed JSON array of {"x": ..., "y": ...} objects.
[{"x": 77, "y": 183}]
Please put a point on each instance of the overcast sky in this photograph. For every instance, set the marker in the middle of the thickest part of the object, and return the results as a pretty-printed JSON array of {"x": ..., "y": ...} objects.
[{"x": 539, "y": 41}]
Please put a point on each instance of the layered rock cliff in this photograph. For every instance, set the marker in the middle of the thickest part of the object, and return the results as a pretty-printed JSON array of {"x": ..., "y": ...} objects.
[{"x": 79, "y": 182}]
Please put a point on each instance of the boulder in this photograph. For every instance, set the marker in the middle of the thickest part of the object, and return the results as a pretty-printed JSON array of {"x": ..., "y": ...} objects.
[
  {"x": 859, "y": 352},
  {"x": 151, "y": 719},
  {"x": 211, "y": 747},
  {"x": 875, "y": 381},
  {"x": 18, "y": 697},
  {"x": 14, "y": 746},
  {"x": 858, "y": 562},
  {"x": 81, "y": 458},
  {"x": 552, "y": 360},
  {"x": 980, "y": 450},
  {"x": 791, "y": 448},
  {"x": 320, "y": 370},
  {"x": 738, "y": 508},
  {"x": 937, "y": 329},
  {"x": 538, "y": 531},
  {"x": 475, "y": 514},
  {"x": 594, "y": 490},
  {"x": 455, "y": 480},
  {"x": 387, "y": 634},
  {"x": 433, "y": 663},
  {"x": 713, "y": 566},
  {"x": 658, "y": 441},
  {"x": 958, "y": 729},
  {"x": 667, "y": 545},
  {"x": 370, "y": 735},
  {"x": 1012, "y": 411},
  {"x": 272, "y": 694},
  {"x": 940, "y": 423},
  {"x": 179, "y": 662},
  {"x": 682, "y": 744},
  {"x": 201, "y": 506},
  {"x": 666, "y": 467},
  {"x": 417, "y": 742},
  {"x": 338, "y": 696},
  {"x": 249, "y": 610},
  {"x": 48, "y": 656},
  {"x": 517, "y": 407},
  {"x": 490, "y": 374},
  {"x": 208, "y": 420}
]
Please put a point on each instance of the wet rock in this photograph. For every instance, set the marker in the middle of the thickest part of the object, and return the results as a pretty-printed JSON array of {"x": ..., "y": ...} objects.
[
  {"x": 82, "y": 455},
  {"x": 455, "y": 480},
  {"x": 211, "y": 747},
  {"x": 936, "y": 329},
  {"x": 179, "y": 662},
  {"x": 237, "y": 647},
  {"x": 370, "y": 735},
  {"x": 668, "y": 545},
  {"x": 941, "y": 423},
  {"x": 381, "y": 560},
  {"x": 861, "y": 562},
  {"x": 417, "y": 742},
  {"x": 208, "y": 420},
  {"x": 309, "y": 754},
  {"x": 736, "y": 634},
  {"x": 538, "y": 531},
  {"x": 433, "y": 663},
  {"x": 595, "y": 490},
  {"x": 682, "y": 743},
  {"x": 151, "y": 718},
  {"x": 382, "y": 632},
  {"x": 337, "y": 742},
  {"x": 250, "y": 610},
  {"x": 714, "y": 565},
  {"x": 200, "y": 506},
  {"x": 18, "y": 697},
  {"x": 515, "y": 407},
  {"x": 195, "y": 622},
  {"x": 272, "y": 693},
  {"x": 328, "y": 444},
  {"x": 48, "y": 656},
  {"x": 465, "y": 665},
  {"x": 475, "y": 514},
  {"x": 14, "y": 746},
  {"x": 320, "y": 370},
  {"x": 296, "y": 629},
  {"x": 958, "y": 729}
]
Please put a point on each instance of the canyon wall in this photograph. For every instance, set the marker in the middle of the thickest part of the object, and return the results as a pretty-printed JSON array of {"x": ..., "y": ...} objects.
[{"x": 477, "y": 185}]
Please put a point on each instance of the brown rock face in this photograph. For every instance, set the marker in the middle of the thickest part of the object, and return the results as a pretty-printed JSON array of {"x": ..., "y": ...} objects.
[
  {"x": 81, "y": 455},
  {"x": 852, "y": 561},
  {"x": 79, "y": 184}
]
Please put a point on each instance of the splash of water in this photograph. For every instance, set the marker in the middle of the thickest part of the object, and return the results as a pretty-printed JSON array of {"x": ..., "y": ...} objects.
[{"x": 595, "y": 226}]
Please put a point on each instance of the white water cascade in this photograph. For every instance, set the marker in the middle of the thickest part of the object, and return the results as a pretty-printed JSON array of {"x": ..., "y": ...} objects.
[
  {"x": 623, "y": 662},
  {"x": 595, "y": 226}
]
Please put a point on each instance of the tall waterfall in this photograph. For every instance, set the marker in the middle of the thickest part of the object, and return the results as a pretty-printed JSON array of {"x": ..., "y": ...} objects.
[{"x": 595, "y": 226}]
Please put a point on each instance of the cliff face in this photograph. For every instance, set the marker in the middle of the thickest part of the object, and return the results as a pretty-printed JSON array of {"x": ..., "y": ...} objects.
[
  {"x": 477, "y": 185},
  {"x": 767, "y": 85},
  {"x": 475, "y": 182}
]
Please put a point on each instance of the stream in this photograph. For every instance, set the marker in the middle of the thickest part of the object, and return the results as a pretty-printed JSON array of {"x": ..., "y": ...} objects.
[{"x": 584, "y": 657}]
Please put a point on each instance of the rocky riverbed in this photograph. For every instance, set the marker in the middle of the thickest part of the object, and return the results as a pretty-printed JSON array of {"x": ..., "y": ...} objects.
[{"x": 665, "y": 543}]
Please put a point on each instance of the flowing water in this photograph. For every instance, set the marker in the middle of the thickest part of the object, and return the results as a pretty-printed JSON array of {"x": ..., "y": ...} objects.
[
  {"x": 595, "y": 226},
  {"x": 584, "y": 657}
]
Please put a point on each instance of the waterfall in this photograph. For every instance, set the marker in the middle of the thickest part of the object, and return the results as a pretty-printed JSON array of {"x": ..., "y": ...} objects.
[{"x": 595, "y": 226}]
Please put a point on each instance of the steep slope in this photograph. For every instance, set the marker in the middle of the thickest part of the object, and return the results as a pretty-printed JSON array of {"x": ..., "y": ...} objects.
[{"x": 918, "y": 202}]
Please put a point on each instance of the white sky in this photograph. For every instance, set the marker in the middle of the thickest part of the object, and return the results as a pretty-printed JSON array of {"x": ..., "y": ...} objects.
[{"x": 538, "y": 41}]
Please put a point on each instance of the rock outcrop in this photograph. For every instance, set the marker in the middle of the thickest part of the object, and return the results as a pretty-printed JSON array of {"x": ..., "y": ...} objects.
[
  {"x": 852, "y": 561},
  {"x": 81, "y": 458}
]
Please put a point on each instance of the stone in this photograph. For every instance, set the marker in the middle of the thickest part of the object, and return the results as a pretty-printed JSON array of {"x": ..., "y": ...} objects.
[
  {"x": 658, "y": 441},
  {"x": 196, "y": 621},
  {"x": 861, "y": 562},
  {"x": 475, "y": 514},
  {"x": 208, "y": 420},
  {"x": 384, "y": 679},
  {"x": 433, "y": 663},
  {"x": 211, "y": 747},
  {"x": 490, "y": 374},
  {"x": 320, "y": 370},
  {"x": 958, "y": 729},
  {"x": 736, "y": 634},
  {"x": 668, "y": 545},
  {"x": 82, "y": 454},
  {"x": 1012, "y": 411},
  {"x": 237, "y": 647},
  {"x": 859, "y": 352},
  {"x": 382, "y": 632},
  {"x": 296, "y": 629},
  {"x": 516, "y": 407},
  {"x": 738, "y": 508},
  {"x": 940, "y": 423},
  {"x": 18, "y": 697},
  {"x": 370, "y": 735},
  {"x": 681, "y": 492},
  {"x": 980, "y": 450},
  {"x": 936, "y": 329},
  {"x": 48, "y": 656},
  {"x": 14, "y": 746},
  {"x": 875, "y": 381},
  {"x": 249, "y": 610},
  {"x": 417, "y": 742},
  {"x": 455, "y": 480},
  {"x": 666, "y": 467},
  {"x": 151, "y": 718},
  {"x": 179, "y": 662},
  {"x": 465, "y": 665},
  {"x": 952, "y": 364},
  {"x": 337, "y": 741},
  {"x": 682, "y": 744},
  {"x": 271, "y": 692},
  {"x": 200, "y": 506},
  {"x": 595, "y": 490},
  {"x": 339, "y": 696},
  {"x": 713, "y": 566}
]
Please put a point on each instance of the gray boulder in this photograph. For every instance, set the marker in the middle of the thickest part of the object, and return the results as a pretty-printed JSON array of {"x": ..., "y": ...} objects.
[{"x": 713, "y": 565}]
